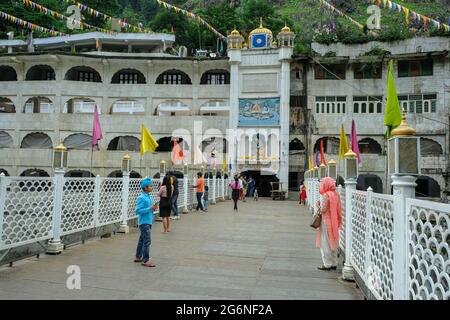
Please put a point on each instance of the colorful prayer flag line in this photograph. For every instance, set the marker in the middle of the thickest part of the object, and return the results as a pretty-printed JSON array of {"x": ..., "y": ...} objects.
[
  {"x": 60, "y": 16},
  {"x": 97, "y": 14},
  {"x": 192, "y": 16},
  {"x": 28, "y": 25},
  {"x": 412, "y": 14}
]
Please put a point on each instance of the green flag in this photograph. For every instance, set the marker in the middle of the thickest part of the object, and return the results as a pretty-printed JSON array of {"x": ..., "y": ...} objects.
[{"x": 392, "y": 115}]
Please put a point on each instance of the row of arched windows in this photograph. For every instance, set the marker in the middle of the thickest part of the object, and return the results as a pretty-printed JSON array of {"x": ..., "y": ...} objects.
[
  {"x": 124, "y": 106},
  {"x": 124, "y": 76},
  {"x": 428, "y": 146},
  {"x": 39, "y": 140}
]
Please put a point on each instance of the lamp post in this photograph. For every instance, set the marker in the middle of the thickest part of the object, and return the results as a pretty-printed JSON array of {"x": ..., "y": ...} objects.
[
  {"x": 351, "y": 165},
  {"x": 351, "y": 174},
  {"x": 404, "y": 165},
  {"x": 332, "y": 169},
  {"x": 60, "y": 157},
  {"x": 162, "y": 169},
  {"x": 126, "y": 164},
  {"x": 186, "y": 187},
  {"x": 322, "y": 170},
  {"x": 126, "y": 169}
]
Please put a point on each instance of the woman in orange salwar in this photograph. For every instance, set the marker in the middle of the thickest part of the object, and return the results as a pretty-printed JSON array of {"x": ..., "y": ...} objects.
[{"x": 328, "y": 233}]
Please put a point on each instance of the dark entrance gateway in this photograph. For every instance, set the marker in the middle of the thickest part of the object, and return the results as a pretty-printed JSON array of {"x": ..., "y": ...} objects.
[{"x": 262, "y": 180}]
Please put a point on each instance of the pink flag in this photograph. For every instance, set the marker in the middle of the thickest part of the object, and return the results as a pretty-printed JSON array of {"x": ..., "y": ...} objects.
[
  {"x": 354, "y": 140},
  {"x": 96, "y": 130}
]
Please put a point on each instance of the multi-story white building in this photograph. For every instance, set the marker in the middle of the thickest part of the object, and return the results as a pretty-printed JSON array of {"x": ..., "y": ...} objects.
[{"x": 282, "y": 104}]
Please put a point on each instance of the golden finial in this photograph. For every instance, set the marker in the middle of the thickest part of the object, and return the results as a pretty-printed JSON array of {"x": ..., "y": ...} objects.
[
  {"x": 403, "y": 129},
  {"x": 61, "y": 147},
  {"x": 331, "y": 163},
  {"x": 260, "y": 22},
  {"x": 350, "y": 154}
]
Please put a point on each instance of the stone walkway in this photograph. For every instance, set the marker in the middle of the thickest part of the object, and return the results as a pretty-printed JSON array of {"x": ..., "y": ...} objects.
[{"x": 265, "y": 251}]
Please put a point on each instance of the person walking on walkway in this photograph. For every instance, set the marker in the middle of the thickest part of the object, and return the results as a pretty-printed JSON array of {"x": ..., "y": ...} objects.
[
  {"x": 205, "y": 198},
  {"x": 174, "y": 196},
  {"x": 328, "y": 233},
  {"x": 145, "y": 212},
  {"x": 165, "y": 205},
  {"x": 251, "y": 186},
  {"x": 302, "y": 194},
  {"x": 235, "y": 190},
  {"x": 200, "y": 189}
]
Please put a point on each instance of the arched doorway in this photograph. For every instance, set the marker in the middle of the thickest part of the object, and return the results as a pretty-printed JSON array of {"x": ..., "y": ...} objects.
[
  {"x": 262, "y": 181},
  {"x": 369, "y": 180},
  {"x": 79, "y": 174},
  {"x": 427, "y": 187},
  {"x": 119, "y": 174}
]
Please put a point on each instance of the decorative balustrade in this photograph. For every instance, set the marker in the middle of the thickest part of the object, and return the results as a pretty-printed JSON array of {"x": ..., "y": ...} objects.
[
  {"x": 378, "y": 255},
  {"x": 28, "y": 205},
  {"x": 428, "y": 250}
]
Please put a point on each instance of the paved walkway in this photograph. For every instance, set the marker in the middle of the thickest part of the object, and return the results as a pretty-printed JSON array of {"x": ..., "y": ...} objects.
[{"x": 265, "y": 251}]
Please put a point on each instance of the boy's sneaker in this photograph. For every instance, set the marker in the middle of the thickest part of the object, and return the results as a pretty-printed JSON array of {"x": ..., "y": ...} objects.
[{"x": 175, "y": 218}]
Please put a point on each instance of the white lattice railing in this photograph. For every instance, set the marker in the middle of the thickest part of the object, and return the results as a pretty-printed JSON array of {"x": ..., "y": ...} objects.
[
  {"x": 428, "y": 250},
  {"x": 28, "y": 205},
  {"x": 359, "y": 232},
  {"x": 380, "y": 262},
  {"x": 398, "y": 246}
]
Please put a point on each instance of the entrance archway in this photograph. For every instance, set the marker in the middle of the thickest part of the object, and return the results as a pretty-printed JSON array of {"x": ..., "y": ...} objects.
[{"x": 262, "y": 181}]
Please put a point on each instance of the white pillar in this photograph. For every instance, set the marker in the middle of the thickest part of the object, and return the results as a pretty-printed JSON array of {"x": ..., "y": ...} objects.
[
  {"x": 214, "y": 191},
  {"x": 285, "y": 55},
  {"x": 347, "y": 271},
  {"x": 404, "y": 187},
  {"x": 186, "y": 193},
  {"x": 55, "y": 245},
  {"x": 124, "y": 228},
  {"x": 97, "y": 189},
  {"x": 223, "y": 187},
  {"x": 235, "y": 60}
]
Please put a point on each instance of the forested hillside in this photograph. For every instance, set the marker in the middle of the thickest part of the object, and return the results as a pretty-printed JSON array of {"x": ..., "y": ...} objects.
[{"x": 307, "y": 18}]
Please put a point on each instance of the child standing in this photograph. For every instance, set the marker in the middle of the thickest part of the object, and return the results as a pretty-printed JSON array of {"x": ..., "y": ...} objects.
[
  {"x": 145, "y": 211},
  {"x": 205, "y": 198}
]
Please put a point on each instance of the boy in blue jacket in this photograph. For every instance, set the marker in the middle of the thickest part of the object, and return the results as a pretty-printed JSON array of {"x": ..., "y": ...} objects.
[{"x": 145, "y": 212}]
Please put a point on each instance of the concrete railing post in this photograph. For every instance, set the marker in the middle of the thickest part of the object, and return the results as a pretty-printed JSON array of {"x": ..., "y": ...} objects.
[
  {"x": 404, "y": 188},
  {"x": 3, "y": 182},
  {"x": 214, "y": 184},
  {"x": 347, "y": 271},
  {"x": 124, "y": 228},
  {"x": 97, "y": 187},
  {"x": 55, "y": 245},
  {"x": 186, "y": 194}
]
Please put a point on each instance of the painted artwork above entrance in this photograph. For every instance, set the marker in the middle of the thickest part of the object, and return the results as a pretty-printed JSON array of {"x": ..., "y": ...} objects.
[{"x": 259, "y": 112}]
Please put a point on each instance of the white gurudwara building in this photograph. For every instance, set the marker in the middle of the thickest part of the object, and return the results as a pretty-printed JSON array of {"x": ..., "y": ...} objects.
[{"x": 256, "y": 111}]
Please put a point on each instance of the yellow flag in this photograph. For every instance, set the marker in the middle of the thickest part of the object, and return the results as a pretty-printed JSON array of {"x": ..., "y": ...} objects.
[
  {"x": 148, "y": 143},
  {"x": 343, "y": 145},
  {"x": 309, "y": 163}
]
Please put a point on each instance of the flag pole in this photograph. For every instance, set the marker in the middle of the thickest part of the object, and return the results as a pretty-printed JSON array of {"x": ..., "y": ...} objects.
[{"x": 92, "y": 156}]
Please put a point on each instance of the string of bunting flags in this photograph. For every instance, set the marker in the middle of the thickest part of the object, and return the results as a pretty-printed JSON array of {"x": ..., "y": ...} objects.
[
  {"x": 28, "y": 25},
  {"x": 193, "y": 16},
  {"x": 60, "y": 16},
  {"x": 341, "y": 14},
  {"x": 412, "y": 14},
  {"x": 106, "y": 17}
]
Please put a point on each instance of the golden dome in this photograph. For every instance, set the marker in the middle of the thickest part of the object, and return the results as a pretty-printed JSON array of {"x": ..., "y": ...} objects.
[
  {"x": 403, "y": 129},
  {"x": 286, "y": 29},
  {"x": 235, "y": 32},
  {"x": 332, "y": 163},
  {"x": 350, "y": 154},
  {"x": 261, "y": 29}
]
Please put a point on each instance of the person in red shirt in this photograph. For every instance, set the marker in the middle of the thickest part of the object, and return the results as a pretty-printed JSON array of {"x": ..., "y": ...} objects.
[{"x": 200, "y": 189}]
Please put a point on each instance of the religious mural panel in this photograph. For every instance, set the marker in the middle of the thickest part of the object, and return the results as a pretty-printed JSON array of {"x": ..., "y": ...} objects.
[{"x": 259, "y": 112}]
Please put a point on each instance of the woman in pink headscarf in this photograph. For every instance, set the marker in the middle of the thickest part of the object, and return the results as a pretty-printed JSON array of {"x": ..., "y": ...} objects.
[{"x": 328, "y": 233}]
